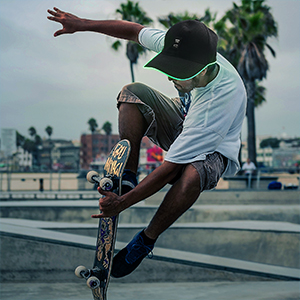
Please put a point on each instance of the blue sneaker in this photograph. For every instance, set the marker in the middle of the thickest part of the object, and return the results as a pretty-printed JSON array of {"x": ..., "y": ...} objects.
[
  {"x": 129, "y": 181},
  {"x": 129, "y": 258}
]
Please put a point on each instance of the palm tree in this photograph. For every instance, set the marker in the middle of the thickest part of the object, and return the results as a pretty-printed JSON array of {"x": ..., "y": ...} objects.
[
  {"x": 38, "y": 140},
  {"x": 131, "y": 11},
  {"x": 93, "y": 126},
  {"x": 243, "y": 43},
  {"x": 20, "y": 139},
  {"x": 49, "y": 131},
  {"x": 29, "y": 145},
  {"x": 33, "y": 146},
  {"x": 32, "y": 132},
  {"x": 107, "y": 127},
  {"x": 260, "y": 95},
  {"x": 172, "y": 18}
]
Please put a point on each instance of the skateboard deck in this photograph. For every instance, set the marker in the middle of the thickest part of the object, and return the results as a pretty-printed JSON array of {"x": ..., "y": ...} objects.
[{"x": 98, "y": 277}]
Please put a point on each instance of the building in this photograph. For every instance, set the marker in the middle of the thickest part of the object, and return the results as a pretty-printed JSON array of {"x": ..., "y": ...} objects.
[
  {"x": 95, "y": 148},
  {"x": 264, "y": 156},
  {"x": 59, "y": 154},
  {"x": 24, "y": 159},
  {"x": 287, "y": 154}
]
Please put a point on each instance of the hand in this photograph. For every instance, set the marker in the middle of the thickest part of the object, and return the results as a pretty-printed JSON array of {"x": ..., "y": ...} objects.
[
  {"x": 110, "y": 205},
  {"x": 70, "y": 22}
]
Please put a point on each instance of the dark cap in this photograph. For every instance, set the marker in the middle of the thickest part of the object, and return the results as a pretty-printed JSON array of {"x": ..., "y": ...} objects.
[{"x": 189, "y": 47}]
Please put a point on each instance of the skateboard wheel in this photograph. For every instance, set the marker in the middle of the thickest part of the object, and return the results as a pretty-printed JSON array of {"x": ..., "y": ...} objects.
[
  {"x": 91, "y": 176},
  {"x": 80, "y": 270},
  {"x": 93, "y": 282},
  {"x": 106, "y": 184}
]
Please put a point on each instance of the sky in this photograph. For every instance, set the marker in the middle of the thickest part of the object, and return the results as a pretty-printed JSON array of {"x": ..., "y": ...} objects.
[{"x": 62, "y": 82}]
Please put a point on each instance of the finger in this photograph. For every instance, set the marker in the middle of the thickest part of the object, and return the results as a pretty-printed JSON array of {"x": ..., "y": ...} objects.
[
  {"x": 103, "y": 192},
  {"x": 51, "y": 12},
  {"x": 97, "y": 216},
  {"x": 59, "y": 32},
  {"x": 54, "y": 19},
  {"x": 57, "y": 10}
]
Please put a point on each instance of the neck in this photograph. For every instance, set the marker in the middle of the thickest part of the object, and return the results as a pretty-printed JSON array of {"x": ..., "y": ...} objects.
[
  {"x": 213, "y": 75},
  {"x": 203, "y": 80}
]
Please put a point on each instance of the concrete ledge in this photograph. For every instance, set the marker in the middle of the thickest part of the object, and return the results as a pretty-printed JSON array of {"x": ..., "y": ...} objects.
[
  {"x": 262, "y": 226},
  {"x": 37, "y": 251},
  {"x": 275, "y": 243},
  {"x": 49, "y": 195},
  {"x": 239, "y": 197},
  {"x": 219, "y": 213},
  {"x": 257, "y": 182},
  {"x": 208, "y": 197},
  {"x": 81, "y": 211},
  {"x": 225, "y": 264},
  {"x": 252, "y": 197}
]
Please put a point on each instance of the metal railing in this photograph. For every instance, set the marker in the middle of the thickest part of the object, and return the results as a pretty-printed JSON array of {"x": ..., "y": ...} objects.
[{"x": 10, "y": 181}]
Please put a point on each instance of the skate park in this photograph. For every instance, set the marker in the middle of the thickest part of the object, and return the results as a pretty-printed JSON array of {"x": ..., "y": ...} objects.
[{"x": 232, "y": 244}]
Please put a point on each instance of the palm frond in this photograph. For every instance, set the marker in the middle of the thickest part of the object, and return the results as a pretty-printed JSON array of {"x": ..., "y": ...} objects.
[{"x": 116, "y": 45}]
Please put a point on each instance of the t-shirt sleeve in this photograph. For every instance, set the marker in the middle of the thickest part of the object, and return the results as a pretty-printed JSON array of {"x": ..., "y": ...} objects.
[{"x": 152, "y": 39}]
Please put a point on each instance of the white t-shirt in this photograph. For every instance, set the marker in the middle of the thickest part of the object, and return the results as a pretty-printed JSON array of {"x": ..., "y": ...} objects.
[
  {"x": 215, "y": 117},
  {"x": 248, "y": 168}
]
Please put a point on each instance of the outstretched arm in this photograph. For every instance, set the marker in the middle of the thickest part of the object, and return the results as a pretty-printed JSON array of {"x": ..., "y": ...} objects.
[
  {"x": 115, "y": 28},
  {"x": 111, "y": 204}
]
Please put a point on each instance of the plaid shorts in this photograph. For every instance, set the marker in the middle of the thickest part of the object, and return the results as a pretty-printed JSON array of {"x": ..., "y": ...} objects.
[
  {"x": 165, "y": 121},
  {"x": 210, "y": 170}
]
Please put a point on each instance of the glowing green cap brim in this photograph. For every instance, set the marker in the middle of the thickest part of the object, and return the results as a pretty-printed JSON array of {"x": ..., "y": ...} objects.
[{"x": 179, "y": 79}]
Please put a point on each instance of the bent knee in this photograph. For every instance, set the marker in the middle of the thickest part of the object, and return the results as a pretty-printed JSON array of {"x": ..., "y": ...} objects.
[
  {"x": 136, "y": 88},
  {"x": 190, "y": 180}
]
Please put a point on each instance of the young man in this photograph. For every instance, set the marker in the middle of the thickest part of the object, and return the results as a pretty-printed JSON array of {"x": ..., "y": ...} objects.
[
  {"x": 248, "y": 167},
  {"x": 200, "y": 130}
]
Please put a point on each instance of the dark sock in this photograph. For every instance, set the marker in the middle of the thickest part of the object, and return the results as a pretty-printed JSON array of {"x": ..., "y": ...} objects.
[
  {"x": 147, "y": 240},
  {"x": 130, "y": 176}
]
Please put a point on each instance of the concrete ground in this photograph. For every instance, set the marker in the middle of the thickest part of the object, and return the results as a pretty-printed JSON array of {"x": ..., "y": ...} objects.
[
  {"x": 280, "y": 290},
  {"x": 63, "y": 289}
]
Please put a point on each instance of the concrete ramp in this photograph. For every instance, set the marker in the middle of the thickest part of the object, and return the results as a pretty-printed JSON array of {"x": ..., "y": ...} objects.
[
  {"x": 30, "y": 253},
  {"x": 266, "y": 242},
  {"x": 81, "y": 210}
]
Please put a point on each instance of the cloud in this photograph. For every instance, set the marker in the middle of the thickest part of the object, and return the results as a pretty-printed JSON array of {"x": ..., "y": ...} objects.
[{"x": 64, "y": 81}]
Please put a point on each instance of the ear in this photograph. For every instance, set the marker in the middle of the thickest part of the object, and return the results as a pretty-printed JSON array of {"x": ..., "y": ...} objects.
[{"x": 203, "y": 73}]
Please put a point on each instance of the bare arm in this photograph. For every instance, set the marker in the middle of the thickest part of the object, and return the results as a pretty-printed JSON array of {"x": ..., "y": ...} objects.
[
  {"x": 111, "y": 204},
  {"x": 115, "y": 28}
]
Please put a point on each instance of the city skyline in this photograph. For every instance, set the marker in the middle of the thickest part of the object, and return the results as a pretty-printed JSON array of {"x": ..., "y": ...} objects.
[{"x": 63, "y": 82}]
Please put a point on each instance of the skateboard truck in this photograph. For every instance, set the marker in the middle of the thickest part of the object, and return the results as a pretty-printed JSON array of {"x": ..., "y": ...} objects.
[
  {"x": 92, "y": 276},
  {"x": 107, "y": 183}
]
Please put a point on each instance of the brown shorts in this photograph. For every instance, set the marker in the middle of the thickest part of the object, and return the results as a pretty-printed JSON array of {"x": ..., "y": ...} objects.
[
  {"x": 162, "y": 114},
  {"x": 210, "y": 170},
  {"x": 165, "y": 120}
]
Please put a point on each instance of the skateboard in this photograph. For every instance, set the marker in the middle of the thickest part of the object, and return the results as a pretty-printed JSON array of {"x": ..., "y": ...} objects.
[{"x": 98, "y": 277}]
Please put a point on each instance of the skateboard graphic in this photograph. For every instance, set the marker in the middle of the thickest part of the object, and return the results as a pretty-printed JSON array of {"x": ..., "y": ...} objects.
[{"x": 98, "y": 277}]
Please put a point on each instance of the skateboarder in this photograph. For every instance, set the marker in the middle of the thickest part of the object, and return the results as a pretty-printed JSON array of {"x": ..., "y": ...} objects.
[{"x": 200, "y": 129}]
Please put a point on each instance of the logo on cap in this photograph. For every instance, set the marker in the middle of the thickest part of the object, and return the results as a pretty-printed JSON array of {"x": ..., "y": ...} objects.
[{"x": 176, "y": 44}]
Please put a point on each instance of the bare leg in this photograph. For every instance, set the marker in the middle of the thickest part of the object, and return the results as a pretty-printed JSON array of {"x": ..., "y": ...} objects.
[
  {"x": 132, "y": 126},
  {"x": 181, "y": 196}
]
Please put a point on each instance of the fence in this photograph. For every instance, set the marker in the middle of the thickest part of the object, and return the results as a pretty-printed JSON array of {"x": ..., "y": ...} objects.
[
  {"x": 76, "y": 181},
  {"x": 42, "y": 182}
]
